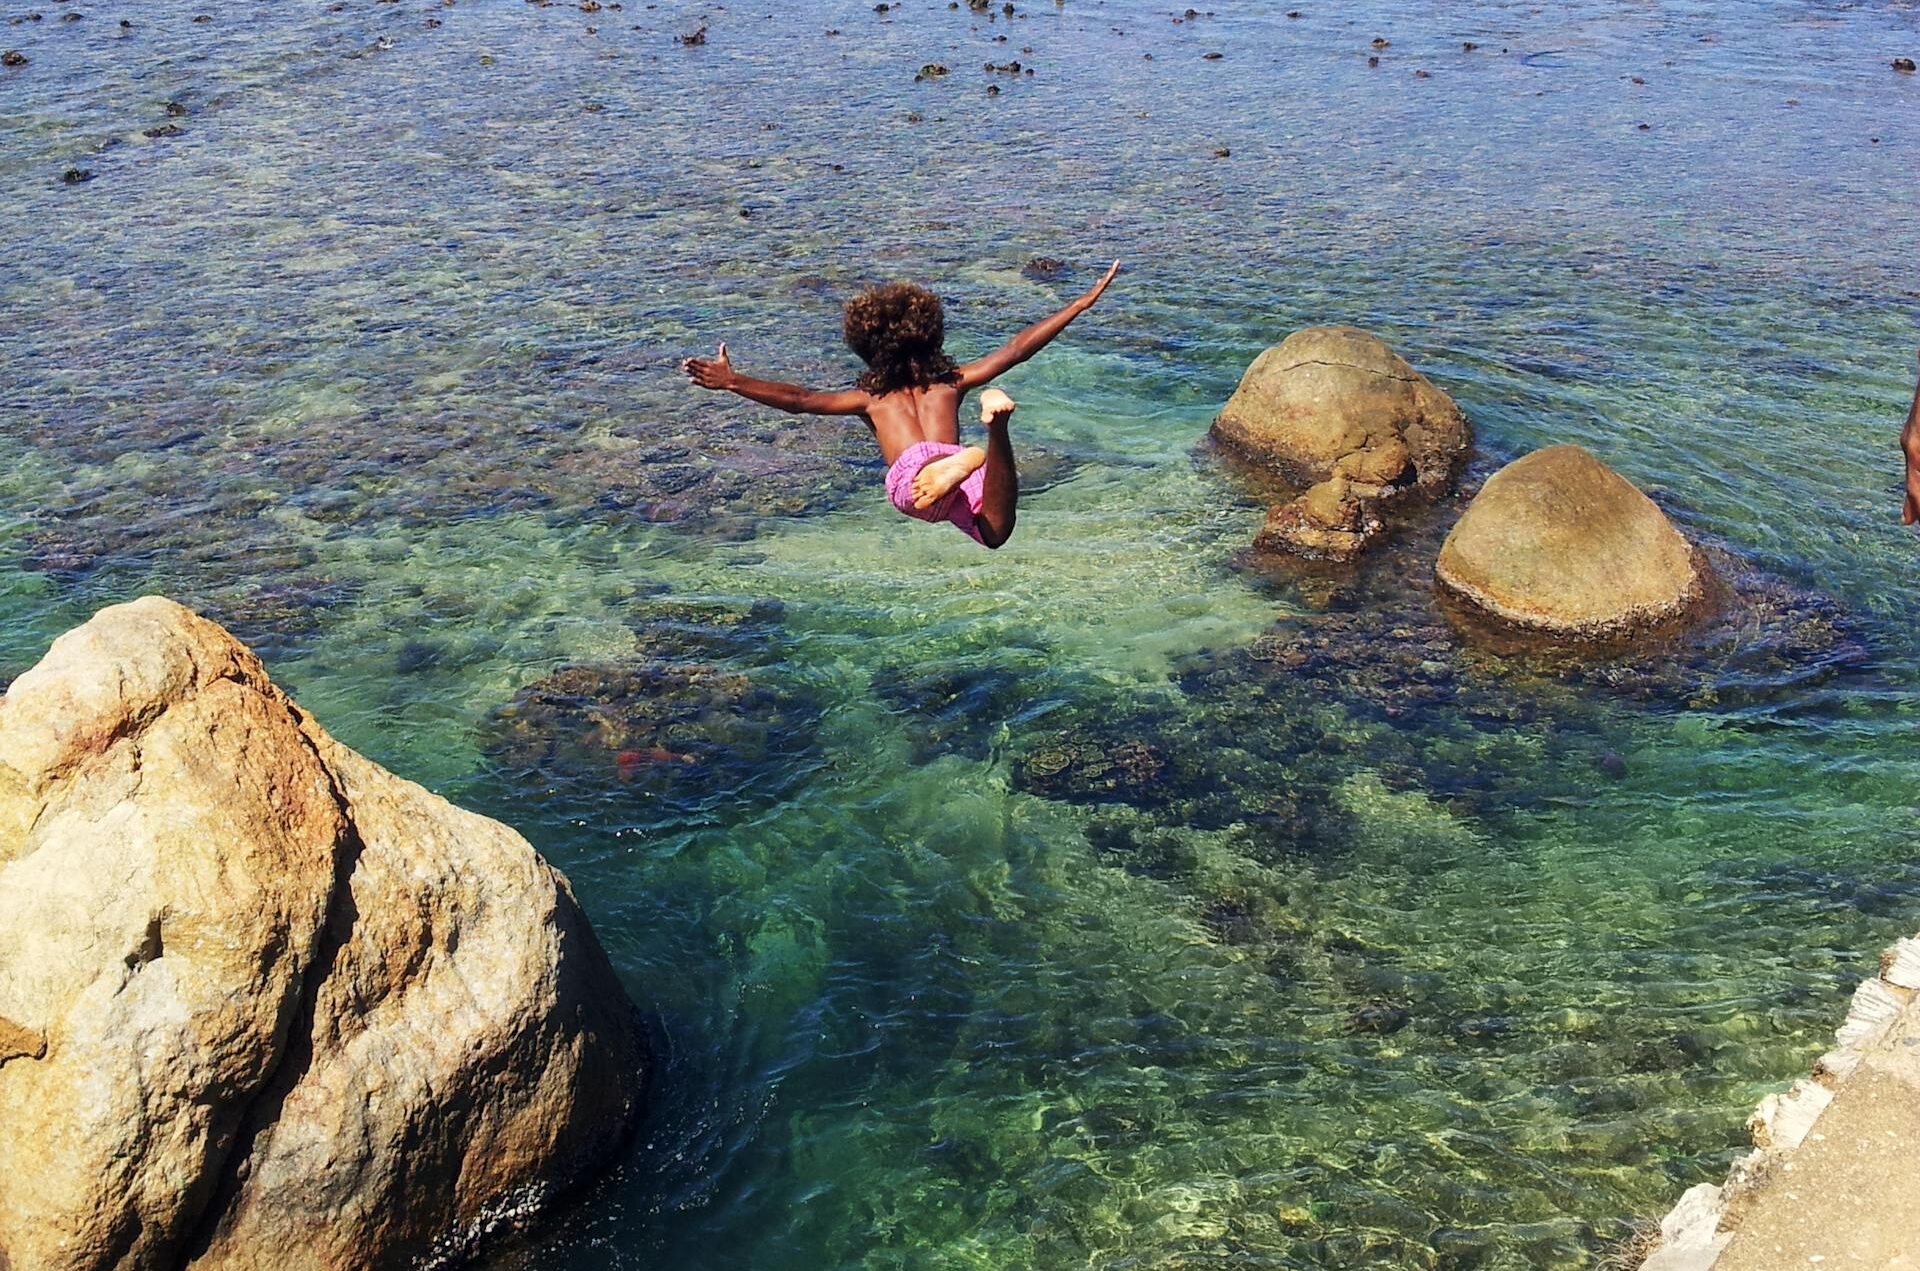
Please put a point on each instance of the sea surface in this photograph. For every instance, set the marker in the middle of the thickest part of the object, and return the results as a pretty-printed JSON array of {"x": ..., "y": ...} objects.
[{"x": 1119, "y": 899}]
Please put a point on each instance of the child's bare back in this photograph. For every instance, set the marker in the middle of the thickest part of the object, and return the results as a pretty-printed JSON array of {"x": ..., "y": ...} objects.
[
  {"x": 910, "y": 396},
  {"x": 907, "y": 416}
]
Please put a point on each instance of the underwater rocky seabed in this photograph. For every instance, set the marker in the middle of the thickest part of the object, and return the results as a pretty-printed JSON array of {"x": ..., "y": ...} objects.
[{"x": 1116, "y": 899}]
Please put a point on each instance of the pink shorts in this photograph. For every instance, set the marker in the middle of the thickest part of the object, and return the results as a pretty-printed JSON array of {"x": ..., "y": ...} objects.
[{"x": 960, "y": 504}]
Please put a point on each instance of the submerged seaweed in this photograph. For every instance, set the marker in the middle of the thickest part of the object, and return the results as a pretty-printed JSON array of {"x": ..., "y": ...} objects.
[
  {"x": 698, "y": 713},
  {"x": 952, "y": 709}
]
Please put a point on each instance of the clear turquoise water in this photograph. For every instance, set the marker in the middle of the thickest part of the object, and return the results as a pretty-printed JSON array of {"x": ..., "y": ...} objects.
[{"x": 1022, "y": 910}]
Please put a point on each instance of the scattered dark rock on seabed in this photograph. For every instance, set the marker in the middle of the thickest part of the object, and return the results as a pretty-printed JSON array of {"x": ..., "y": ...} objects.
[
  {"x": 1261, "y": 741},
  {"x": 266, "y": 589},
  {"x": 1380, "y": 1019},
  {"x": 722, "y": 475},
  {"x": 698, "y": 711},
  {"x": 951, "y": 709},
  {"x": 1259, "y": 769},
  {"x": 278, "y": 613}
]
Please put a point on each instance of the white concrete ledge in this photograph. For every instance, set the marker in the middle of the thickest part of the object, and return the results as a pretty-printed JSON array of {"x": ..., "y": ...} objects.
[{"x": 1834, "y": 1177}]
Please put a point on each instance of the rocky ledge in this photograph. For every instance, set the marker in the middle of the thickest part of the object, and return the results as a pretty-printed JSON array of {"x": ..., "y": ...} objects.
[
  {"x": 1833, "y": 1175},
  {"x": 1337, "y": 411},
  {"x": 262, "y": 1003}
]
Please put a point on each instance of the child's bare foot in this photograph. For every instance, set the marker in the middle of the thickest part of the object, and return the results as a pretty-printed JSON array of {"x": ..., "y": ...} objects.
[
  {"x": 995, "y": 407},
  {"x": 933, "y": 482}
]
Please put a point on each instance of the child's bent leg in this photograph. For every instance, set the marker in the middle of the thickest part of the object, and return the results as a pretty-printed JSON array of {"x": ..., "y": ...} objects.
[{"x": 1000, "y": 494}]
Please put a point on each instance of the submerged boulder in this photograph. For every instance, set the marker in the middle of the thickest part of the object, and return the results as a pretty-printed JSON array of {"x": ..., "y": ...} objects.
[
  {"x": 1559, "y": 544},
  {"x": 262, "y": 1003},
  {"x": 1336, "y": 401},
  {"x": 1328, "y": 522},
  {"x": 702, "y": 709}
]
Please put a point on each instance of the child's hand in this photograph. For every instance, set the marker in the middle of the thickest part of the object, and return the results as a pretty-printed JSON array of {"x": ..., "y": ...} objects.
[
  {"x": 714, "y": 372},
  {"x": 1094, "y": 294}
]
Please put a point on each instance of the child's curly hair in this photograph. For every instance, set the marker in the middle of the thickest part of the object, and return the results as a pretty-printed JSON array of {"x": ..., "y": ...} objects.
[{"x": 897, "y": 329}]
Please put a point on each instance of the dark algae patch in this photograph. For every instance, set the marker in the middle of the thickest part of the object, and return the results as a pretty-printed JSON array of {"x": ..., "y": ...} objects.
[
  {"x": 699, "y": 712},
  {"x": 953, "y": 709}
]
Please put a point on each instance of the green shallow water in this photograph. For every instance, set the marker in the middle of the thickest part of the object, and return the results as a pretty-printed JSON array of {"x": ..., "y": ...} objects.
[{"x": 1045, "y": 908}]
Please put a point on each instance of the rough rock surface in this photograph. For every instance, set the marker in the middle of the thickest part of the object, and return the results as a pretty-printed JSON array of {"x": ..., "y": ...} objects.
[
  {"x": 1833, "y": 1173},
  {"x": 262, "y": 1003},
  {"x": 1558, "y": 543},
  {"x": 1328, "y": 522},
  {"x": 1336, "y": 401}
]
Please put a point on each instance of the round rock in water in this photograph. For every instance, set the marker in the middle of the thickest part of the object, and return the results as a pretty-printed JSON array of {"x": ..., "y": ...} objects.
[
  {"x": 1560, "y": 544},
  {"x": 1331, "y": 401}
]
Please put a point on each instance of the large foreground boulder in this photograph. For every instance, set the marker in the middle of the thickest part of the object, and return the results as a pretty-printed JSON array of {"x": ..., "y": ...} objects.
[
  {"x": 1559, "y": 544},
  {"x": 1336, "y": 401},
  {"x": 263, "y": 1004}
]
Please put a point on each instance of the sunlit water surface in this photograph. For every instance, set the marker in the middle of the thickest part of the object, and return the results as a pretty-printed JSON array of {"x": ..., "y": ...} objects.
[{"x": 1047, "y": 908}]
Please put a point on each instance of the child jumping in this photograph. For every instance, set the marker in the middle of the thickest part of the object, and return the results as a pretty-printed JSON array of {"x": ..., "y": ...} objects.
[{"x": 910, "y": 396}]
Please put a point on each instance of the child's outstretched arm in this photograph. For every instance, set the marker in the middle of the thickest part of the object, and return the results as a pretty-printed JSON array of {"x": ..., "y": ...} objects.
[
  {"x": 717, "y": 373},
  {"x": 1910, "y": 445},
  {"x": 1032, "y": 340}
]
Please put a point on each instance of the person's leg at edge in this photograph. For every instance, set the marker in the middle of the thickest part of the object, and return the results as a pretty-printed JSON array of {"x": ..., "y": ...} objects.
[
  {"x": 1000, "y": 492},
  {"x": 1910, "y": 445}
]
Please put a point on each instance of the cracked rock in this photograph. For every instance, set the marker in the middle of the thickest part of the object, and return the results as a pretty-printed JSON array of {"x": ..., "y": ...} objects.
[
  {"x": 262, "y": 1003},
  {"x": 1335, "y": 403},
  {"x": 1331, "y": 521},
  {"x": 1328, "y": 396}
]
